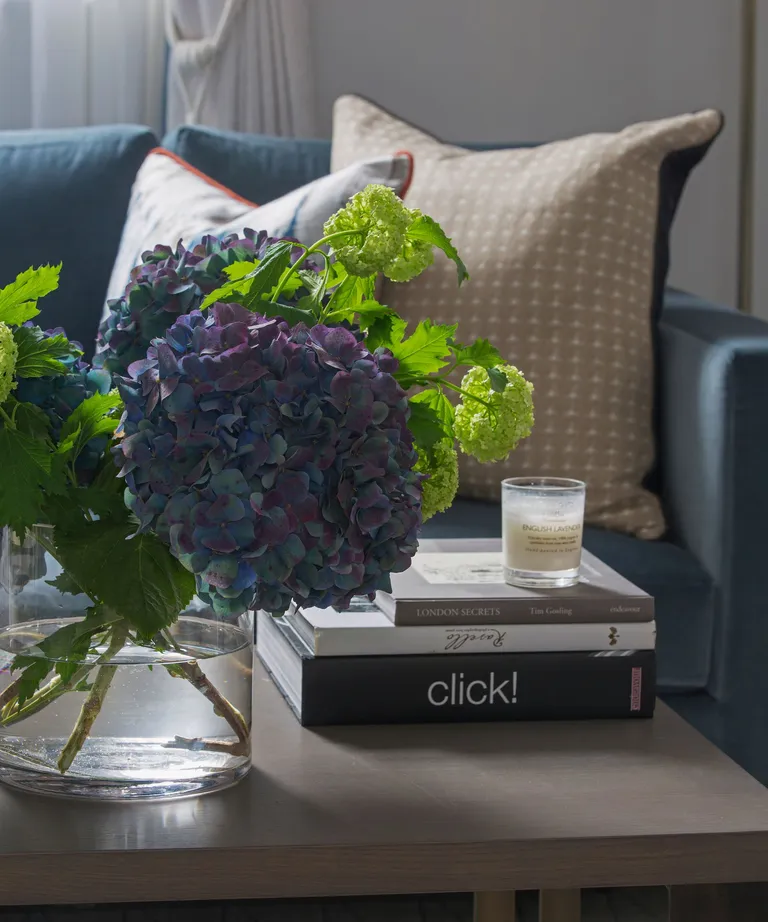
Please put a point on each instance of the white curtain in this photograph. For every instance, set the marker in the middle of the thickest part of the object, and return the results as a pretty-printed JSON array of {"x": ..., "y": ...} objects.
[
  {"x": 240, "y": 64},
  {"x": 65, "y": 63}
]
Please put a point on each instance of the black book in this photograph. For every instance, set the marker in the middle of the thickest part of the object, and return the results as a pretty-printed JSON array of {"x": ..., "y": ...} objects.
[{"x": 473, "y": 687}]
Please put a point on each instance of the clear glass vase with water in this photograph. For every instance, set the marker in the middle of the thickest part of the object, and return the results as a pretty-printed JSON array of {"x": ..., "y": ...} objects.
[{"x": 129, "y": 718}]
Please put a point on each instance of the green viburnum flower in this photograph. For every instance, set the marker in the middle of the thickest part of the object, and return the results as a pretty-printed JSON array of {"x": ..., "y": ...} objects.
[
  {"x": 439, "y": 490},
  {"x": 412, "y": 260},
  {"x": 380, "y": 220},
  {"x": 492, "y": 435},
  {"x": 9, "y": 352}
]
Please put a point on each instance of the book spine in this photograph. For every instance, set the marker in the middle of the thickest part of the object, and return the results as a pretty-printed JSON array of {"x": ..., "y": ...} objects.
[
  {"x": 429, "y": 689},
  {"x": 513, "y": 638},
  {"x": 603, "y": 610}
]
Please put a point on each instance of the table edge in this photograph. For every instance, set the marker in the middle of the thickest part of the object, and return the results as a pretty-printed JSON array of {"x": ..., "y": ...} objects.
[{"x": 167, "y": 875}]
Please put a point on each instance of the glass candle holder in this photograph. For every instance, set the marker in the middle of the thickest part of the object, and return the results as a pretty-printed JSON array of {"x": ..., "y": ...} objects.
[{"x": 542, "y": 525}]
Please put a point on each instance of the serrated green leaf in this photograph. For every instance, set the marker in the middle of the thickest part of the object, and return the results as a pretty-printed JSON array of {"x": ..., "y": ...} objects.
[
  {"x": 292, "y": 315},
  {"x": 480, "y": 353},
  {"x": 384, "y": 331},
  {"x": 240, "y": 270},
  {"x": 95, "y": 416},
  {"x": 134, "y": 576},
  {"x": 18, "y": 300},
  {"x": 498, "y": 379},
  {"x": 426, "y": 426},
  {"x": 276, "y": 260},
  {"x": 426, "y": 228},
  {"x": 28, "y": 418},
  {"x": 348, "y": 294},
  {"x": 64, "y": 583},
  {"x": 364, "y": 314},
  {"x": 26, "y": 466},
  {"x": 72, "y": 641},
  {"x": 424, "y": 352},
  {"x": 35, "y": 669},
  {"x": 442, "y": 406},
  {"x": 39, "y": 357},
  {"x": 16, "y": 314}
]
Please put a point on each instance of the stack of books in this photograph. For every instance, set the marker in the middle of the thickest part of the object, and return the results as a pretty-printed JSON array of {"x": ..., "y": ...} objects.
[{"x": 453, "y": 642}]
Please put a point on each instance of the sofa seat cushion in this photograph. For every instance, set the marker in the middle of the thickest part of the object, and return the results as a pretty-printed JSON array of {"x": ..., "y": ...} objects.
[
  {"x": 683, "y": 591},
  {"x": 63, "y": 198}
]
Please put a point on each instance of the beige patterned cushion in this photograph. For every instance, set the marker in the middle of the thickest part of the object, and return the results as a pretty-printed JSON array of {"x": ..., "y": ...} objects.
[{"x": 560, "y": 242}]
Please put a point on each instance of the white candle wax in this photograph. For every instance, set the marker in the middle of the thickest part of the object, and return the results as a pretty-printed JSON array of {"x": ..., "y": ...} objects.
[{"x": 537, "y": 539}]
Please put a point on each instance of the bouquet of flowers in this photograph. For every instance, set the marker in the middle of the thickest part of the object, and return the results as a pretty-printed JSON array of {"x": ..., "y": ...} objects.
[{"x": 257, "y": 429}]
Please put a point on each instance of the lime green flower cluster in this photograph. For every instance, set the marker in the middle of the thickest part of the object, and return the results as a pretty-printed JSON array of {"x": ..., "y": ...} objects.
[
  {"x": 439, "y": 489},
  {"x": 9, "y": 352},
  {"x": 379, "y": 222},
  {"x": 490, "y": 426}
]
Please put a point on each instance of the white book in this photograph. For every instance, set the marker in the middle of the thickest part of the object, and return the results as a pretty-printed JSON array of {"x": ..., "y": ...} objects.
[{"x": 366, "y": 631}]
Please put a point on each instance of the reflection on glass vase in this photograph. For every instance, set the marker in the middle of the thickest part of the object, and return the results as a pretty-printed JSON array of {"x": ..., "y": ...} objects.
[{"x": 123, "y": 716}]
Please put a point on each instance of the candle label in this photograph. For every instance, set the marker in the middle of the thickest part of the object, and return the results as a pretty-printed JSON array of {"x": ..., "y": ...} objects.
[
  {"x": 474, "y": 567},
  {"x": 542, "y": 544}
]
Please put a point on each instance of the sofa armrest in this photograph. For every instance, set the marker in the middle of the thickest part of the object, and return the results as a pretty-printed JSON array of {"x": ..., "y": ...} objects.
[{"x": 714, "y": 470}]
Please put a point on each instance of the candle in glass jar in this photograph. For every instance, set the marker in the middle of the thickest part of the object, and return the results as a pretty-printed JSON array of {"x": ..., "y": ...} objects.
[{"x": 543, "y": 520}]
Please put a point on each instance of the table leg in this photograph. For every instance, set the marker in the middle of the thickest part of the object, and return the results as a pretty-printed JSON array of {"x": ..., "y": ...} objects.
[
  {"x": 719, "y": 903},
  {"x": 559, "y": 905},
  {"x": 495, "y": 906}
]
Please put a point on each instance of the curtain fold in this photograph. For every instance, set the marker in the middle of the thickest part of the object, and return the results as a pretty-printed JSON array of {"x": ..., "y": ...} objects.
[
  {"x": 243, "y": 65},
  {"x": 66, "y": 63}
]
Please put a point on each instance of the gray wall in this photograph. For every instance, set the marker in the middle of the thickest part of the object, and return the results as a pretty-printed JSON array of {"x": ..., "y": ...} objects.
[{"x": 499, "y": 70}]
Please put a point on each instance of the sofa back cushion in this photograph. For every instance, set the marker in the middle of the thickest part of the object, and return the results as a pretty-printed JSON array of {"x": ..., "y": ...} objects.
[
  {"x": 63, "y": 198},
  {"x": 257, "y": 167}
]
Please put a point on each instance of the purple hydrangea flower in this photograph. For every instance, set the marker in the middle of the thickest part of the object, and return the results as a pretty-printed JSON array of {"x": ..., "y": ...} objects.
[
  {"x": 165, "y": 285},
  {"x": 276, "y": 462}
]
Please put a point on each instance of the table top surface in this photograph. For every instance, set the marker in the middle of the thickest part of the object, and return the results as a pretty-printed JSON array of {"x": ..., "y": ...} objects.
[{"x": 400, "y": 808}]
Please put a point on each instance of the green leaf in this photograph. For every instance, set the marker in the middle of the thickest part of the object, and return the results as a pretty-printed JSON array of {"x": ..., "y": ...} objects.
[
  {"x": 64, "y": 583},
  {"x": 136, "y": 577},
  {"x": 292, "y": 315},
  {"x": 364, "y": 313},
  {"x": 240, "y": 270},
  {"x": 426, "y": 426},
  {"x": 424, "y": 352},
  {"x": 384, "y": 331},
  {"x": 425, "y": 228},
  {"x": 18, "y": 300},
  {"x": 276, "y": 260},
  {"x": 38, "y": 357},
  {"x": 498, "y": 379},
  {"x": 26, "y": 466},
  {"x": 92, "y": 418},
  {"x": 442, "y": 406},
  {"x": 480, "y": 353},
  {"x": 72, "y": 641},
  {"x": 348, "y": 295},
  {"x": 29, "y": 419},
  {"x": 35, "y": 669}
]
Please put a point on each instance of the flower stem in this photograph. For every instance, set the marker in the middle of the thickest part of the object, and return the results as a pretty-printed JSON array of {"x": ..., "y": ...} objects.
[
  {"x": 460, "y": 390},
  {"x": 221, "y": 706},
  {"x": 292, "y": 270},
  {"x": 95, "y": 700}
]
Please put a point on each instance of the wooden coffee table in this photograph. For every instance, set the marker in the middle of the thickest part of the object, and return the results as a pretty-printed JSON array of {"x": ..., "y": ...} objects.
[{"x": 383, "y": 810}]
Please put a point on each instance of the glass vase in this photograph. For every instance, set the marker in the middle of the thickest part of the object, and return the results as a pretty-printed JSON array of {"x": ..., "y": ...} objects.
[{"x": 164, "y": 718}]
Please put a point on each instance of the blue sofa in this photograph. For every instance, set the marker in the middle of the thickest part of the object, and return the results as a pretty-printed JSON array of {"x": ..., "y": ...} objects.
[{"x": 64, "y": 197}]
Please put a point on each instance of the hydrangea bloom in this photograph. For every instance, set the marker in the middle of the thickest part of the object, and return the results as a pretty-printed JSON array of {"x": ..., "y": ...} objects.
[
  {"x": 493, "y": 438},
  {"x": 59, "y": 395},
  {"x": 380, "y": 220},
  {"x": 440, "y": 486},
  {"x": 276, "y": 462},
  {"x": 9, "y": 352},
  {"x": 165, "y": 285}
]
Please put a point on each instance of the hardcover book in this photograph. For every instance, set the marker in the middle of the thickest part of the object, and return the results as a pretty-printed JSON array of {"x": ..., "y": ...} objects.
[
  {"x": 364, "y": 630},
  {"x": 461, "y": 581},
  {"x": 465, "y": 687}
]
